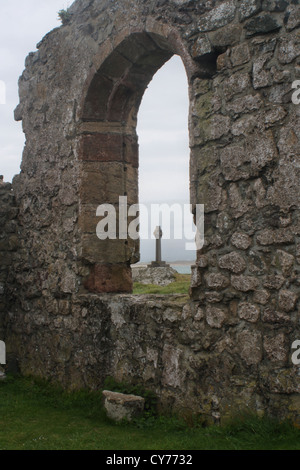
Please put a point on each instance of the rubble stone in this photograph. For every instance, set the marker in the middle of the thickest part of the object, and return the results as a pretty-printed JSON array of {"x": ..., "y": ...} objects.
[
  {"x": 262, "y": 24},
  {"x": 216, "y": 280},
  {"x": 120, "y": 406},
  {"x": 287, "y": 300},
  {"x": 233, "y": 262},
  {"x": 276, "y": 348},
  {"x": 249, "y": 8},
  {"x": 241, "y": 240},
  {"x": 215, "y": 317},
  {"x": 249, "y": 312},
  {"x": 218, "y": 17},
  {"x": 244, "y": 283},
  {"x": 250, "y": 346}
]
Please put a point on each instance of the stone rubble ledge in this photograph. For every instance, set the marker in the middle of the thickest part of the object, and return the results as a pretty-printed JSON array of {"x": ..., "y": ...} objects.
[
  {"x": 120, "y": 406},
  {"x": 160, "y": 276}
]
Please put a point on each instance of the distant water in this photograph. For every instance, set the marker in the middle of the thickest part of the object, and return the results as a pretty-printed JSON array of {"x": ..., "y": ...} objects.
[{"x": 182, "y": 269}]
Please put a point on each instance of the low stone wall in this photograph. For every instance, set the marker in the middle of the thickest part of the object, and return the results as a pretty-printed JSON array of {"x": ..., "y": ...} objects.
[{"x": 176, "y": 349}]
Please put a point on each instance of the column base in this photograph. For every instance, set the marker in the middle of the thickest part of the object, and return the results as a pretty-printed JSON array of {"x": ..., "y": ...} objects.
[
  {"x": 110, "y": 278},
  {"x": 160, "y": 264}
]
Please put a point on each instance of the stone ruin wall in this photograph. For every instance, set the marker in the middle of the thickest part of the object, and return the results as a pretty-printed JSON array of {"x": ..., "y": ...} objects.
[
  {"x": 67, "y": 311},
  {"x": 9, "y": 244}
]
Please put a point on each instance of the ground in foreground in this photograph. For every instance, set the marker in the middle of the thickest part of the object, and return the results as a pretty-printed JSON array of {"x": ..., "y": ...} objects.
[{"x": 35, "y": 415}]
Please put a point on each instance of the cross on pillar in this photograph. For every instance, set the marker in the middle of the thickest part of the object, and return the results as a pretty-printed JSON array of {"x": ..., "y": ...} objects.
[
  {"x": 158, "y": 262},
  {"x": 158, "y": 235}
]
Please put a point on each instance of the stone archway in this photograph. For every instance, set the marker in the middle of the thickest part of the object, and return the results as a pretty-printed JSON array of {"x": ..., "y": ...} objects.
[{"x": 108, "y": 151}]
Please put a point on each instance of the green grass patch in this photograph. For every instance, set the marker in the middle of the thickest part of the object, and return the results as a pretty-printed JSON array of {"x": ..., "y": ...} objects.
[
  {"x": 181, "y": 285},
  {"x": 35, "y": 415}
]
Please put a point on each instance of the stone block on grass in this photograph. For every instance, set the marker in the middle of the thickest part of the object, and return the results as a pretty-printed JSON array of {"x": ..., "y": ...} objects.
[{"x": 120, "y": 406}]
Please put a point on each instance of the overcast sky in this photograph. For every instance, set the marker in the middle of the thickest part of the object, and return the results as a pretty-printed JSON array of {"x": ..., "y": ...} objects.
[
  {"x": 23, "y": 23},
  {"x": 162, "y": 120}
]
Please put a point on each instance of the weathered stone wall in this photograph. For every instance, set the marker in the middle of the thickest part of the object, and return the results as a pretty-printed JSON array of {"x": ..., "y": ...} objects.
[
  {"x": 177, "y": 349},
  {"x": 230, "y": 346},
  {"x": 8, "y": 247}
]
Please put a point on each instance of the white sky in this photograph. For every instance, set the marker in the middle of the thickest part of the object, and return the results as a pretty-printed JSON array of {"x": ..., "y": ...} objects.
[
  {"x": 23, "y": 23},
  {"x": 162, "y": 120},
  {"x": 163, "y": 136}
]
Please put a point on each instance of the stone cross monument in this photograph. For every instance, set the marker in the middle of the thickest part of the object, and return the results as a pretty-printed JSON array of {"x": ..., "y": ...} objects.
[{"x": 158, "y": 263}]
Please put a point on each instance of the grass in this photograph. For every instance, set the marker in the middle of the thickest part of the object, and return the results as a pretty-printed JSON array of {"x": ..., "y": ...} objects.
[
  {"x": 35, "y": 415},
  {"x": 181, "y": 285}
]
